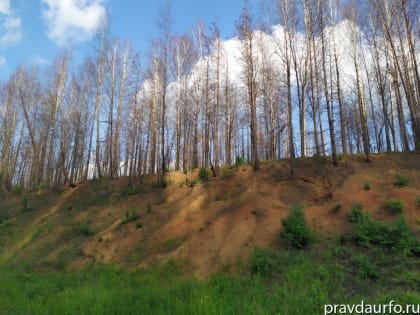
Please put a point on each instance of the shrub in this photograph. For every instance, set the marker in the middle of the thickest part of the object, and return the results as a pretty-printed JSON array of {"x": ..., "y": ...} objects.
[
  {"x": 263, "y": 262},
  {"x": 239, "y": 161},
  {"x": 366, "y": 186},
  {"x": 193, "y": 182},
  {"x": 203, "y": 175},
  {"x": 395, "y": 205},
  {"x": 365, "y": 268},
  {"x": 40, "y": 186},
  {"x": 340, "y": 157},
  {"x": 295, "y": 229},
  {"x": 83, "y": 229},
  {"x": 130, "y": 216},
  {"x": 139, "y": 225},
  {"x": 17, "y": 190},
  {"x": 393, "y": 237},
  {"x": 133, "y": 190},
  {"x": 401, "y": 181},
  {"x": 418, "y": 201},
  {"x": 356, "y": 213}
]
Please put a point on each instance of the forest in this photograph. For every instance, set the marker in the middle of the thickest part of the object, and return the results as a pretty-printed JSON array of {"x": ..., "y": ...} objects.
[{"x": 312, "y": 78}]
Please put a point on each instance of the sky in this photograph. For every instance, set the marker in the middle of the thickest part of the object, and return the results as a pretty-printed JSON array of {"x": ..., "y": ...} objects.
[{"x": 35, "y": 31}]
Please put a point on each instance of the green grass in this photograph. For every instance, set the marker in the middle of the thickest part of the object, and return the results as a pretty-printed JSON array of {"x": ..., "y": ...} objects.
[{"x": 285, "y": 282}]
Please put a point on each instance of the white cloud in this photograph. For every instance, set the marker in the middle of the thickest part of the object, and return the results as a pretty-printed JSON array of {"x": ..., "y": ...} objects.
[
  {"x": 10, "y": 25},
  {"x": 12, "y": 30},
  {"x": 38, "y": 60},
  {"x": 73, "y": 20},
  {"x": 5, "y": 6}
]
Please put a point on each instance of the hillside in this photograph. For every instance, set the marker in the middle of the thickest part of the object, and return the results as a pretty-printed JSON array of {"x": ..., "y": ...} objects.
[{"x": 212, "y": 225}]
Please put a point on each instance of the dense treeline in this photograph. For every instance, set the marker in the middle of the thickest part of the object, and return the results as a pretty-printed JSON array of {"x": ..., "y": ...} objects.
[{"x": 329, "y": 79}]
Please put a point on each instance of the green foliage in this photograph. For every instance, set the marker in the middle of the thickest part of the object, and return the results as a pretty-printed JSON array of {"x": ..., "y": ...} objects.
[
  {"x": 366, "y": 186},
  {"x": 139, "y": 225},
  {"x": 132, "y": 190},
  {"x": 130, "y": 216},
  {"x": 395, "y": 206},
  {"x": 203, "y": 175},
  {"x": 193, "y": 182},
  {"x": 295, "y": 229},
  {"x": 418, "y": 201},
  {"x": 239, "y": 161},
  {"x": 40, "y": 186},
  {"x": 401, "y": 181},
  {"x": 17, "y": 190},
  {"x": 264, "y": 262},
  {"x": 394, "y": 237},
  {"x": 340, "y": 157},
  {"x": 83, "y": 229},
  {"x": 365, "y": 268},
  {"x": 356, "y": 213}
]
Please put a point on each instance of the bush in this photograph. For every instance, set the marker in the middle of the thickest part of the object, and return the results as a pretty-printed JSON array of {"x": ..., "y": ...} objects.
[
  {"x": 263, "y": 262},
  {"x": 239, "y": 161},
  {"x": 295, "y": 229},
  {"x": 365, "y": 268},
  {"x": 395, "y": 237},
  {"x": 133, "y": 190},
  {"x": 17, "y": 190},
  {"x": 130, "y": 216},
  {"x": 203, "y": 175},
  {"x": 418, "y": 201},
  {"x": 356, "y": 213},
  {"x": 193, "y": 182},
  {"x": 401, "y": 181},
  {"x": 395, "y": 205},
  {"x": 83, "y": 229},
  {"x": 366, "y": 186}
]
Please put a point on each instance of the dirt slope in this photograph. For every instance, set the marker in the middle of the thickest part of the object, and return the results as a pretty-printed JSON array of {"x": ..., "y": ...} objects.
[{"x": 212, "y": 225}]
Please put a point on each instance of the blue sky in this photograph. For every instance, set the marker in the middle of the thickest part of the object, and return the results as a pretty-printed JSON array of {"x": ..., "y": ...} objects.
[{"x": 34, "y": 31}]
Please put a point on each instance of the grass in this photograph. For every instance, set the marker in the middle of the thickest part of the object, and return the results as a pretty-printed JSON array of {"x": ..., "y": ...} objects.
[{"x": 276, "y": 282}]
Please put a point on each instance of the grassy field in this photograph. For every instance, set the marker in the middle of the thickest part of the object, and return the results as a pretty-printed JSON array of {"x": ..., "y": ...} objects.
[{"x": 274, "y": 282}]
